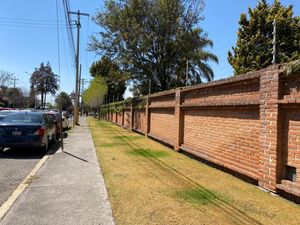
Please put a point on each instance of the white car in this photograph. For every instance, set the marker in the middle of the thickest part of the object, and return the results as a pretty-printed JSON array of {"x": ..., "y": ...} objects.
[{"x": 65, "y": 120}]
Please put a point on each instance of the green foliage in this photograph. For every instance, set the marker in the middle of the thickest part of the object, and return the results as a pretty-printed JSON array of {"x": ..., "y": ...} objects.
[
  {"x": 94, "y": 95},
  {"x": 153, "y": 41},
  {"x": 6, "y": 79},
  {"x": 253, "y": 50},
  {"x": 113, "y": 76},
  {"x": 292, "y": 68},
  {"x": 199, "y": 195},
  {"x": 117, "y": 107},
  {"x": 63, "y": 101},
  {"x": 44, "y": 81}
]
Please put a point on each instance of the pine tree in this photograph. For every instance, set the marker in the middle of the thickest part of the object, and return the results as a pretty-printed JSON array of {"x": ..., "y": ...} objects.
[{"x": 253, "y": 50}]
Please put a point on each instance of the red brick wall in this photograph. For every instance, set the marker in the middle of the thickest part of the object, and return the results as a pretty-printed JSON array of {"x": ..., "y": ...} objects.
[
  {"x": 119, "y": 118},
  {"x": 290, "y": 145},
  {"x": 127, "y": 117},
  {"x": 162, "y": 124},
  {"x": 114, "y": 117},
  {"x": 139, "y": 120},
  {"x": 245, "y": 91},
  {"x": 291, "y": 88},
  {"x": 168, "y": 100},
  {"x": 228, "y": 137},
  {"x": 249, "y": 124}
]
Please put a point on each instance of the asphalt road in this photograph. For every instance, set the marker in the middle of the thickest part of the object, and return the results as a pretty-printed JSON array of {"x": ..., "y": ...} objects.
[{"x": 15, "y": 165}]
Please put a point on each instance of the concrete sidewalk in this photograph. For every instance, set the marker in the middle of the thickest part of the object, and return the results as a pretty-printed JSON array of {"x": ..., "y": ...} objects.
[{"x": 68, "y": 189}]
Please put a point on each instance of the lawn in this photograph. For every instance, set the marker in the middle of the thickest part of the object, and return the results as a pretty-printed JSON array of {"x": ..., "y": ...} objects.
[{"x": 149, "y": 183}]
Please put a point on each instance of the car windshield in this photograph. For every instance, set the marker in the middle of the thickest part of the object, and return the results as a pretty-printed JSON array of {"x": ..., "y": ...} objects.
[
  {"x": 5, "y": 113},
  {"x": 22, "y": 118}
]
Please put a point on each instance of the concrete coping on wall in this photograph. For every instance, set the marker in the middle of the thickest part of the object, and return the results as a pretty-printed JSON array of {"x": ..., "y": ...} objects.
[
  {"x": 233, "y": 79},
  {"x": 163, "y": 93}
]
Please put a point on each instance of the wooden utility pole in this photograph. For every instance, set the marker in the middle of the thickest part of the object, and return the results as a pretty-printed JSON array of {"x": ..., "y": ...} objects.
[
  {"x": 76, "y": 104},
  {"x": 15, "y": 81}
]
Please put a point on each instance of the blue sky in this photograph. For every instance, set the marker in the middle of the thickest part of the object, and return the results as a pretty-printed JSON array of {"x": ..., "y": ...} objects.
[{"x": 28, "y": 35}]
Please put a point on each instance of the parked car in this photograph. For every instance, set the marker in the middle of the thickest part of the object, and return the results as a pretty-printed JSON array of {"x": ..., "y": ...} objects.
[
  {"x": 27, "y": 129},
  {"x": 5, "y": 113},
  {"x": 1, "y": 108},
  {"x": 55, "y": 116},
  {"x": 65, "y": 120}
]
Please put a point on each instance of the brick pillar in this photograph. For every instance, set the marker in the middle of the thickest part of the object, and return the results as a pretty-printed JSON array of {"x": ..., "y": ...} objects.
[
  {"x": 269, "y": 161},
  {"x": 178, "y": 120},
  {"x": 147, "y": 116},
  {"x": 131, "y": 116},
  {"x": 123, "y": 115}
]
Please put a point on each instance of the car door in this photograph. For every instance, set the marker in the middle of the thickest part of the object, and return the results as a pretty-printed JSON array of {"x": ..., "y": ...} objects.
[{"x": 50, "y": 126}]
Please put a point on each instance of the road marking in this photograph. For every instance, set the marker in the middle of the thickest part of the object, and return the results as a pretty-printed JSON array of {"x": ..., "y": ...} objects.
[{"x": 22, "y": 186}]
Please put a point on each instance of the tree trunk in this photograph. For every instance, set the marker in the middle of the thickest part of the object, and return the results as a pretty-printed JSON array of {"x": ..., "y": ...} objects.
[
  {"x": 45, "y": 100},
  {"x": 98, "y": 113},
  {"x": 42, "y": 99}
]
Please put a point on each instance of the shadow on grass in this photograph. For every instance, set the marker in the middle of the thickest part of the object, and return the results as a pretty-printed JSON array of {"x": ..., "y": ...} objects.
[
  {"x": 110, "y": 145},
  {"x": 132, "y": 138},
  {"x": 193, "y": 192},
  {"x": 148, "y": 153},
  {"x": 199, "y": 196}
]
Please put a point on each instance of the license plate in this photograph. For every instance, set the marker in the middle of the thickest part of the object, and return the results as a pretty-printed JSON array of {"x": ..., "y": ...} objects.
[{"x": 17, "y": 133}]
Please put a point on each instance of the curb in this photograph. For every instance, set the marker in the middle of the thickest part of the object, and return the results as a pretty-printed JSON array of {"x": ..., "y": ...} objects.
[{"x": 5, "y": 207}]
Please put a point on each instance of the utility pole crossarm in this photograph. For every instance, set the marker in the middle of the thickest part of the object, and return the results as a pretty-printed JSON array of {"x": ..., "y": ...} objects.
[{"x": 80, "y": 13}]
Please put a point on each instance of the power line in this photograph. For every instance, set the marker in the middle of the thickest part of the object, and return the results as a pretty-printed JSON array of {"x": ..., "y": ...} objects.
[
  {"x": 33, "y": 20},
  {"x": 69, "y": 30},
  {"x": 30, "y": 23},
  {"x": 30, "y": 26},
  {"x": 58, "y": 46}
]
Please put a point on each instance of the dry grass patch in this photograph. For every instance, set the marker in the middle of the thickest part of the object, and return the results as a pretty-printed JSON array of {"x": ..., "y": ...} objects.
[{"x": 149, "y": 183}]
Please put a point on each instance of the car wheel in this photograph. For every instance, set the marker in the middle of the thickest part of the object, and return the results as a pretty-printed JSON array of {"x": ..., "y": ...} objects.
[
  {"x": 57, "y": 136},
  {"x": 44, "y": 148}
]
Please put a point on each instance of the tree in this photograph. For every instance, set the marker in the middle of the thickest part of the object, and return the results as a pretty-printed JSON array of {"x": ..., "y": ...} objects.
[
  {"x": 45, "y": 81},
  {"x": 94, "y": 95},
  {"x": 64, "y": 102},
  {"x": 16, "y": 98},
  {"x": 6, "y": 79},
  {"x": 113, "y": 76},
  {"x": 32, "y": 97},
  {"x": 154, "y": 40},
  {"x": 253, "y": 50}
]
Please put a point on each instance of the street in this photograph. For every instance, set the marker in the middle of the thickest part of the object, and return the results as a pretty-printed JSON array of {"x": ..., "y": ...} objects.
[
  {"x": 15, "y": 165},
  {"x": 68, "y": 188}
]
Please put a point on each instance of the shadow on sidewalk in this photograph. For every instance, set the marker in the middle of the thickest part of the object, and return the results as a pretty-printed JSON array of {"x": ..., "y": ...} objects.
[{"x": 76, "y": 157}]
